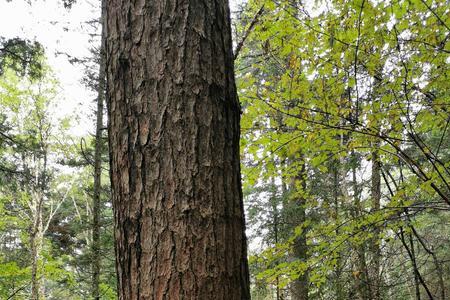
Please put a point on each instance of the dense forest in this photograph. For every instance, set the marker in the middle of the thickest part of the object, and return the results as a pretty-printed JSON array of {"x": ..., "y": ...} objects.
[{"x": 283, "y": 149}]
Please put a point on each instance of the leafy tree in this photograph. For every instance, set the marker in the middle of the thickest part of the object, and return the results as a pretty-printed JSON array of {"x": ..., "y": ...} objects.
[{"x": 351, "y": 86}]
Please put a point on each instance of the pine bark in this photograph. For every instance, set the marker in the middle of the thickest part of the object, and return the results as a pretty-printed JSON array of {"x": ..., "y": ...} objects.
[
  {"x": 96, "y": 211},
  {"x": 174, "y": 150}
]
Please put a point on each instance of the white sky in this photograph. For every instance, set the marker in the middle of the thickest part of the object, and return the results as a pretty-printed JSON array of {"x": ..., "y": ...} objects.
[{"x": 59, "y": 30}]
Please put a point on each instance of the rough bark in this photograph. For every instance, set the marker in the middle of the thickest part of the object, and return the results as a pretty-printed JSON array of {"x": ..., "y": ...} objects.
[
  {"x": 96, "y": 209},
  {"x": 174, "y": 150}
]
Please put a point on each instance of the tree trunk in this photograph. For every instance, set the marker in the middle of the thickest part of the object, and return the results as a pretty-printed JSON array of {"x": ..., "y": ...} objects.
[
  {"x": 437, "y": 263},
  {"x": 412, "y": 256},
  {"x": 96, "y": 210},
  {"x": 37, "y": 231},
  {"x": 300, "y": 286},
  {"x": 174, "y": 150},
  {"x": 375, "y": 279},
  {"x": 276, "y": 219},
  {"x": 35, "y": 247},
  {"x": 361, "y": 273},
  {"x": 338, "y": 283}
]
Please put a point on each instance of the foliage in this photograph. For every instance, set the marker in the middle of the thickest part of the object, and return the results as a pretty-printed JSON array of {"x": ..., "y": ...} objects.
[
  {"x": 335, "y": 87},
  {"x": 22, "y": 56},
  {"x": 39, "y": 157}
]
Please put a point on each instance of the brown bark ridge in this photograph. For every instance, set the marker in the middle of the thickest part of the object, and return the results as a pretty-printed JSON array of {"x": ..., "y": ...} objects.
[{"x": 174, "y": 150}]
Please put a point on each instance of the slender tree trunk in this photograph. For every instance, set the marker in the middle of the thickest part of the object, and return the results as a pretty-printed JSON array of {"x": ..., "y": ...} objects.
[
  {"x": 300, "y": 286},
  {"x": 437, "y": 263},
  {"x": 336, "y": 187},
  {"x": 361, "y": 274},
  {"x": 275, "y": 212},
  {"x": 35, "y": 247},
  {"x": 37, "y": 232},
  {"x": 375, "y": 279},
  {"x": 35, "y": 282},
  {"x": 416, "y": 272},
  {"x": 418, "y": 278},
  {"x": 96, "y": 209},
  {"x": 174, "y": 150},
  {"x": 375, "y": 250}
]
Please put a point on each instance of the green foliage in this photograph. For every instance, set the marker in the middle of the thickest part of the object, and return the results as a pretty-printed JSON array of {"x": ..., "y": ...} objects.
[
  {"x": 325, "y": 88},
  {"x": 44, "y": 176},
  {"x": 22, "y": 56}
]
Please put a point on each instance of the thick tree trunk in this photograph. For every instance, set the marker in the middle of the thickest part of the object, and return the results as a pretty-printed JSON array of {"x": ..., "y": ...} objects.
[
  {"x": 96, "y": 211},
  {"x": 174, "y": 150}
]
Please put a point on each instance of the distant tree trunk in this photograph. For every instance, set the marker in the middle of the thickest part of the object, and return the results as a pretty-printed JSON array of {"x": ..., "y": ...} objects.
[
  {"x": 412, "y": 256},
  {"x": 275, "y": 228},
  {"x": 36, "y": 240},
  {"x": 437, "y": 263},
  {"x": 96, "y": 210},
  {"x": 361, "y": 274},
  {"x": 375, "y": 279},
  {"x": 418, "y": 278},
  {"x": 37, "y": 201},
  {"x": 339, "y": 292},
  {"x": 416, "y": 270},
  {"x": 300, "y": 286},
  {"x": 174, "y": 150}
]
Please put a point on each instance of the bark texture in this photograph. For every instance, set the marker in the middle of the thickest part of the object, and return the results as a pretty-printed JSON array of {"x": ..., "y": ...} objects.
[{"x": 174, "y": 150}]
